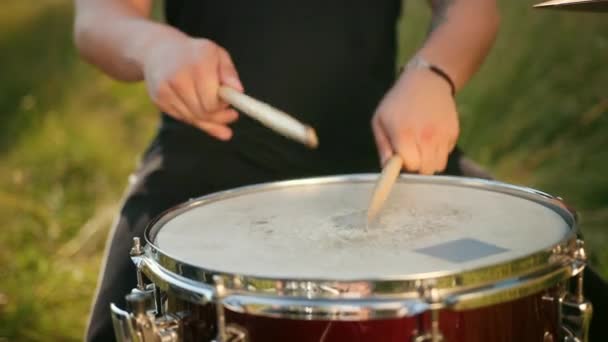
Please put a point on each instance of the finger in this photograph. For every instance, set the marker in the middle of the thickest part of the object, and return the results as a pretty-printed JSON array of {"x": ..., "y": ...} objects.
[
  {"x": 452, "y": 143},
  {"x": 407, "y": 148},
  {"x": 427, "y": 158},
  {"x": 222, "y": 117},
  {"x": 227, "y": 71},
  {"x": 185, "y": 90},
  {"x": 221, "y": 132},
  {"x": 454, "y": 132},
  {"x": 385, "y": 150},
  {"x": 172, "y": 111},
  {"x": 207, "y": 85},
  {"x": 428, "y": 142},
  {"x": 162, "y": 96},
  {"x": 442, "y": 157},
  {"x": 221, "y": 105},
  {"x": 172, "y": 104}
]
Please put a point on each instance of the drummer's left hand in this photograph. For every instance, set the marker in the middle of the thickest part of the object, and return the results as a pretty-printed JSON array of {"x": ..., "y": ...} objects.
[{"x": 418, "y": 120}]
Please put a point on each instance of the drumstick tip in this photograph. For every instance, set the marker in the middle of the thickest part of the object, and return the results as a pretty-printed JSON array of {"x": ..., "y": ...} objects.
[
  {"x": 373, "y": 210},
  {"x": 384, "y": 185},
  {"x": 312, "y": 141},
  {"x": 370, "y": 218}
]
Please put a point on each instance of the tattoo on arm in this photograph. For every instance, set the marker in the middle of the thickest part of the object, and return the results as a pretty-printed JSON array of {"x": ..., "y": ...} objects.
[{"x": 440, "y": 10}]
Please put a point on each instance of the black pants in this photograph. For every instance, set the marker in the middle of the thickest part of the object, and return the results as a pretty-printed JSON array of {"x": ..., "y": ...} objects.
[{"x": 167, "y": 179}]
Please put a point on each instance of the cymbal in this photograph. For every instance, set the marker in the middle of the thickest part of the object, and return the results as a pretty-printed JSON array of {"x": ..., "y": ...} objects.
[{"x": 576, "y": 5}]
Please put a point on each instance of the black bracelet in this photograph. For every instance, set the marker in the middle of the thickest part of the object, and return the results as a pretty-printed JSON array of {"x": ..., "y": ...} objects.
[
  {"x": 445, "y": 76},
  {"x": 418, "y": 62}
]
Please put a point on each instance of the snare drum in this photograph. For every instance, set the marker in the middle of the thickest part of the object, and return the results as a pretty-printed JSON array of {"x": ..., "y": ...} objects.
[{"x": 448, "y": 259}]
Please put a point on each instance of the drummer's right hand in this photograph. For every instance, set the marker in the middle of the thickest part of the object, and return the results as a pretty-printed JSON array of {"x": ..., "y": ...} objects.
[{"x": 183, "y": 76}]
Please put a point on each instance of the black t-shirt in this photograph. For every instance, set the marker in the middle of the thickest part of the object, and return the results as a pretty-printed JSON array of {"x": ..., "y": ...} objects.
[{"x": 328, "y": 63}]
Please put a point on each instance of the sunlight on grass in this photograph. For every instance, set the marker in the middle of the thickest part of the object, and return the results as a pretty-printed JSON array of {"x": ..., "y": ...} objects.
[{"x": 70, "y": 138}]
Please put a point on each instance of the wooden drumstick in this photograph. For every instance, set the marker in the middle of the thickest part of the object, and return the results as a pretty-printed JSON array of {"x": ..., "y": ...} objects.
[
  {"x": 385, "y": 182},
  {"x": 270, "y": 117}
]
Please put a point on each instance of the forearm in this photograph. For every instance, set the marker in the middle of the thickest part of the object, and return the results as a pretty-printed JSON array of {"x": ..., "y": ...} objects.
[
  {"x": 115, "y": 34},
  {"x": 463, "y": 32}
]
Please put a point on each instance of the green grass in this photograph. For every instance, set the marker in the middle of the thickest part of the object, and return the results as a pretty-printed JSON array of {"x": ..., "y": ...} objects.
[{"x": 536, "y": 115}]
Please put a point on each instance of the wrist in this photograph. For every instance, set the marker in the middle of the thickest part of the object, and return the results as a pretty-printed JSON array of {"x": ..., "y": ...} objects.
[
  {"x": 151, "y": 40},
  {"x": 420, "y": 63}
]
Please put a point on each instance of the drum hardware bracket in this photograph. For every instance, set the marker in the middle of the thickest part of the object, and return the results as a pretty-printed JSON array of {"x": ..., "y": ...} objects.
[
  {"x": 136, "y": 252},
  {"x": 431, "y": 295},
  {"x": 145, "y": 321},
  {"x": 141, "y": 324},
  {"x": 574, "y": 311}
]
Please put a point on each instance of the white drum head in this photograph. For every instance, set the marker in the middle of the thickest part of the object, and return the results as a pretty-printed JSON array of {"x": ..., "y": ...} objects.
[{"x": 303, "y": 230}]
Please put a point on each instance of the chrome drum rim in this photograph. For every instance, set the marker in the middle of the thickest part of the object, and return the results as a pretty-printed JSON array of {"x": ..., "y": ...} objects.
[{"x": 362, "y": 299}]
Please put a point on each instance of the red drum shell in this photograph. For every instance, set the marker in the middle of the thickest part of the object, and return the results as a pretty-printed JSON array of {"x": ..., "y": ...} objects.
[{"x": 526, "y": 319}]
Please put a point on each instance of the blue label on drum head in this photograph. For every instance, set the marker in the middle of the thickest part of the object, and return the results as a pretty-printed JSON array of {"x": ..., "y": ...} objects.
[{"x": 461, "y": 250}]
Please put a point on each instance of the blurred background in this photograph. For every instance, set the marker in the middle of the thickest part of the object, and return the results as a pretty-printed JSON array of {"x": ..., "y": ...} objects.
[{"x": 535, "y": 115}]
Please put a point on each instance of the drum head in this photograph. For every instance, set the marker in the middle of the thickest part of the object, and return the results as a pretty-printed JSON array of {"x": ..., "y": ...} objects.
[{"x": 316, "y": 229}]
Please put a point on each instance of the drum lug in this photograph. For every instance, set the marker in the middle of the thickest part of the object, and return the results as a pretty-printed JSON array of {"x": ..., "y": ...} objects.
[
  {"x": 431, "y": 295},
  {"x": 574, "y": 311},
  {"x": 575, "y": 319},
  {"x": 136, "y": 254},
  {"x": 230, "y": 332},
  {"x": 575, "y": 314},
  {"x": 434, "y": 335},
  {"x": 226, "y": 332},
  {"x": 137, "y": 249},
  {"x": 233, "y": 333},
  {"x": 236, "y": 333}
]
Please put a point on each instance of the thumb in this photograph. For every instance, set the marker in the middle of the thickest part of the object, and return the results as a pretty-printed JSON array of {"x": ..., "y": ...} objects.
[{"x": 227, "y": 72}]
